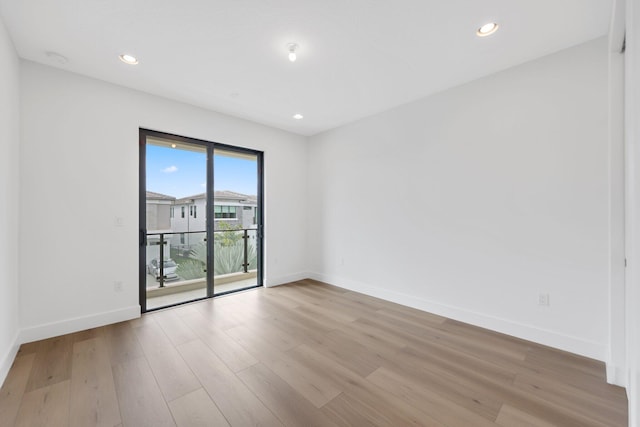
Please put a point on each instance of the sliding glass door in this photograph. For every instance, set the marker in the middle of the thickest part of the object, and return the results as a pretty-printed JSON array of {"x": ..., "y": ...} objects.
[{"x": 200, "y": 219}]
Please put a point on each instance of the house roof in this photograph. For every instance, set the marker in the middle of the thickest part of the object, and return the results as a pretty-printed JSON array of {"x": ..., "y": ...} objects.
[{"x": 158, "y": 196}]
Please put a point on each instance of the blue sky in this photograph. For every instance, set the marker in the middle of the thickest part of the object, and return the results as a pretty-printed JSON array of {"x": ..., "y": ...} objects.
[{"x": 182, "y": 173}]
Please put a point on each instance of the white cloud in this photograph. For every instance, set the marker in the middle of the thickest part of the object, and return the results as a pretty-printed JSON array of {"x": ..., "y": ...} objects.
[
  {"x": 203, "y": 185},
  {"x": 170, "y": 169}
]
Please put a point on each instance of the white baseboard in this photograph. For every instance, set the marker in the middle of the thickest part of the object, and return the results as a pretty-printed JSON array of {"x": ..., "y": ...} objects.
[
  {"x": 616, "y": 375},
  {"x": 7, "y": 360},
  {"x": 76, "y": 324},
  {"x": 519, "y": 330},
  {"x": 271, "y": 282}
]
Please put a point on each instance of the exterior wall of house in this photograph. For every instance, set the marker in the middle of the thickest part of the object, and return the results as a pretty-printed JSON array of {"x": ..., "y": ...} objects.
[
  {"x": 189, "y": 229},
  {"x": 158, "y": 215},
  {"x": 192, "y": 221},
  {"x": 247, "y": 216}
]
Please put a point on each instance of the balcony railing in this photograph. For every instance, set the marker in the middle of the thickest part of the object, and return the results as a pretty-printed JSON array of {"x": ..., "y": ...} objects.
[{"x": 185, "y": 254}]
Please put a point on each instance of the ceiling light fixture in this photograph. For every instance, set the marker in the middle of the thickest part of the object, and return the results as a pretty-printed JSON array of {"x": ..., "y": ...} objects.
[
  {"x": 292, "y": 47},
  {"x": 487, "y": 29},
  {"x": 128, "y": 59},
  {"x": 298, "y": 116}
]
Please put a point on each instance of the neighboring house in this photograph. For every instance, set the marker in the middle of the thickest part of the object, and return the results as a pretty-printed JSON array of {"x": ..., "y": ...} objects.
[
  {"x": 236, "y": 209},
  {"x": 180, "y": 218}
]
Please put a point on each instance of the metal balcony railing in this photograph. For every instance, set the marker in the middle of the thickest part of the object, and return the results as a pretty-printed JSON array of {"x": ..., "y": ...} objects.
[{"x": 236, "y": 246}]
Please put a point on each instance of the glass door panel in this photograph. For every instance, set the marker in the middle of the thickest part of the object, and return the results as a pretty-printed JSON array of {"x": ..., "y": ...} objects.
[
  {"x": 176, "y": 222},
  {"x": 236, "y": 247}
]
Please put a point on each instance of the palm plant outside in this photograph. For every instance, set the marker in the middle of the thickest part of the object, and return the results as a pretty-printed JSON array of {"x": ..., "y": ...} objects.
[{"x": 229, "y": 255}]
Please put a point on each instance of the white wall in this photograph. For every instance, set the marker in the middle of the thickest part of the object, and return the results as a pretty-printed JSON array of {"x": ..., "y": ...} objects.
[
  {"x": 616, "y": 359},
  {"x": 9, "y": 148},
  {"x": 80, "y": 151},
  {"x": 472, "y": 202},
  {"x": 632, "y": 146}
]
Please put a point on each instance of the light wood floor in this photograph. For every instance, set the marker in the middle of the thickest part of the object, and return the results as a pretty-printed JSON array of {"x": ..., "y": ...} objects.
[{"x": 304, "y": 354}]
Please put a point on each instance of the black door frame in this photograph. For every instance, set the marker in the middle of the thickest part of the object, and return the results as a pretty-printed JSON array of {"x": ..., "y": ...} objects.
[{"x": 142, "y": 216}]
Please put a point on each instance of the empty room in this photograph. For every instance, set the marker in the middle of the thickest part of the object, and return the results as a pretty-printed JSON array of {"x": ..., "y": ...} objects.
[{"x": 319, "y": 213}]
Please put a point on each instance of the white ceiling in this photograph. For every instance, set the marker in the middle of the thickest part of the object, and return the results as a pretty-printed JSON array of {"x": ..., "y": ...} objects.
[{"x": 356, "y": 57}]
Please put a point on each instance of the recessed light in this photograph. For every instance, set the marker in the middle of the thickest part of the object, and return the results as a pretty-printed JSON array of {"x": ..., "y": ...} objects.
[
  {"x": 128, "y": 59},
  {"x": 298, "y": 116},
  {"x": 173, "y": 145},
  {"x": 292, "y": 48},
  {"x": 487, "y": 29}
]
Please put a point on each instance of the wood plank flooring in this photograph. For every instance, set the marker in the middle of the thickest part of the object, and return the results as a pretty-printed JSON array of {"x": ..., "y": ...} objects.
[{"x": 302, "y": 354}]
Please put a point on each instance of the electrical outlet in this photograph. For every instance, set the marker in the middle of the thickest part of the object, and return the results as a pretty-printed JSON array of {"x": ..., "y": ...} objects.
[
  {"x": 117, "y": 286},
  {"x": 543, "y": 300},
  {"x": 118, "y": 221}
]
